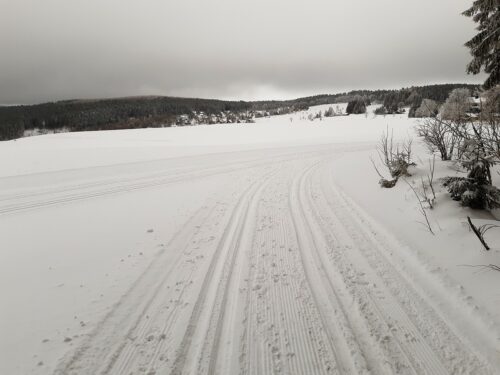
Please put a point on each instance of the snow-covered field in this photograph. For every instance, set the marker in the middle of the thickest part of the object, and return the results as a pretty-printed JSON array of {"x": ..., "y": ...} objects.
[{"x": 259, "y": 248}]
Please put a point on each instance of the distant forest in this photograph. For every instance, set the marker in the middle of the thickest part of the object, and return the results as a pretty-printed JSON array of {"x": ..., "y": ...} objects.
[{"x": 155, "y": 111}]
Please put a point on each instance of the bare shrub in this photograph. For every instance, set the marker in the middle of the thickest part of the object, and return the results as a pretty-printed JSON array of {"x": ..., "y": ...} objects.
[
  {"x": 396, "y": 157},
  {"x": 440, "y": 136},
  {"x": 427, "y": 223},
  {"x": 428, "y": 193},
  {"x": 471, "y": 139}
]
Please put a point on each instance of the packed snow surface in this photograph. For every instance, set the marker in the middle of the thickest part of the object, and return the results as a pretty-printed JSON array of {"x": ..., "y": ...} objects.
[{"x": 264, "y": 248}]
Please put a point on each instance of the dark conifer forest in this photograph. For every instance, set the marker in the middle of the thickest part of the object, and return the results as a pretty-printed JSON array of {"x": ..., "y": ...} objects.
[{"x": 156, "y": 111}]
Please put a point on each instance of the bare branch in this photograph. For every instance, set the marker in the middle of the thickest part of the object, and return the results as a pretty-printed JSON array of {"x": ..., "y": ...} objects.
[
  {"x": 422, "y": 209},
  {"x": 481, "y": 231},
  {"x": 376, "y": 169}
]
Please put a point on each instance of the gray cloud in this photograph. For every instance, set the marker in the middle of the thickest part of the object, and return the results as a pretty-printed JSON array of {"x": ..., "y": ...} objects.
[{"x": 59, "y": 49}]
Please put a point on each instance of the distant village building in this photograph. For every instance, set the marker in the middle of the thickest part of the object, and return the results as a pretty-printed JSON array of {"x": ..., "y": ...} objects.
[{"x": 475, "y": 103}]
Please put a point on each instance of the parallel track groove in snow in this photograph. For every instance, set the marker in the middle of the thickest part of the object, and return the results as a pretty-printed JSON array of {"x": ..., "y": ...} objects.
[
  {"x": 332, "y": 312},
  {"x": 114, "y": 332},
  {"x": 428, "y": 342},
  {"x": 206, "y": 319},
  {"x": 12, "y": 203},
  {"x": 283, "y": 276},
  {"x": 283, "y": 331},
  {"x": 132, "y": 185}
]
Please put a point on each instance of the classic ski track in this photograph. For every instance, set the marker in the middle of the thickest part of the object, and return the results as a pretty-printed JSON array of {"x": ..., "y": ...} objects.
[
  {"x": 284, "y": 332},
  {"x": 245, "y": 231},
  {"x": 128, "y": 184},
  {"x": 434, "y": 346},
  {"x": 104, "y": 358},
  {"x": 294, "y": 280},
  {"x": 257, "y": 161},
  {"x": 109, "y": 181},
  {"x": 150, "y": 364},
  {"x": 159, "y": 323},
  {"x": 343, "y": 345},
  {"x": 215, "y": 285},
  {"x": 137, "y": 184},
  {"x": 378, "y": 350},
  {"x": 101, "y": 347}
]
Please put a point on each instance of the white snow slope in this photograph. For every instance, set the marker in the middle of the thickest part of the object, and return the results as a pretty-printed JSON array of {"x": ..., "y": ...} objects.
[{"x": 260, "y": 248}]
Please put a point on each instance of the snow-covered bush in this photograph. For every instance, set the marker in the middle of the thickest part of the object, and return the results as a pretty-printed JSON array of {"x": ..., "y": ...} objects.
[
  {"x": 471, "y": 193},
  {"x": 428, "y": 108},
  {"x": 456, "y": 106}
]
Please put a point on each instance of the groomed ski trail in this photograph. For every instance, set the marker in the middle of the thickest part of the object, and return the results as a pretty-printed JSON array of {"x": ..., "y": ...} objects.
[{"x": 285, "y": 276}]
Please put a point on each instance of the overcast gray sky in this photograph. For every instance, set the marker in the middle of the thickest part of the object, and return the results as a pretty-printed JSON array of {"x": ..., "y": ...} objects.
[{"x": 231, "y": 49}]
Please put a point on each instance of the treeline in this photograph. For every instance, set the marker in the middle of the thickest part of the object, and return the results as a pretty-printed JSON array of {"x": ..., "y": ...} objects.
[
  {"x": 139, "y": 112},
  {"x": 394, "y": 101},
  {"x": 128, "y": 113},
  {"x": 123, "y": 113}
]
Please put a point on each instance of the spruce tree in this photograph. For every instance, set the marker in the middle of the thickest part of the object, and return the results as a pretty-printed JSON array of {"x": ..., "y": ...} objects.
[{"x": 485, "y": 45}]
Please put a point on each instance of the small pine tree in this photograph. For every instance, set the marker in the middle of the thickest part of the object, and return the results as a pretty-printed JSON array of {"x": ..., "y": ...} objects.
[
  {"x": 475, "y": 190},
  {"x": 356, "y": 106},
  {"x": 329, "y": 112}
]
